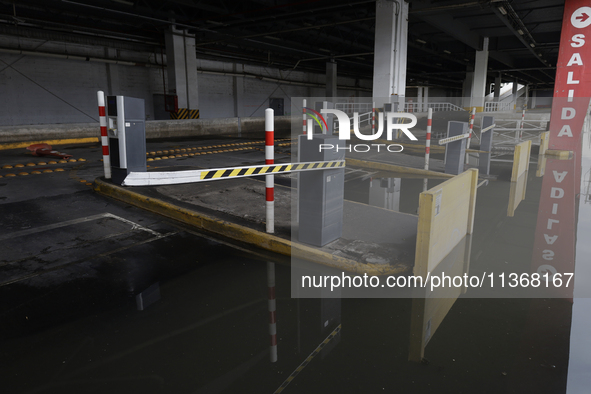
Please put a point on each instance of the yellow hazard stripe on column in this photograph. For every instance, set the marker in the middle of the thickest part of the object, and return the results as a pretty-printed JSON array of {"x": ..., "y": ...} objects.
[{"x": 185, "y": 113}]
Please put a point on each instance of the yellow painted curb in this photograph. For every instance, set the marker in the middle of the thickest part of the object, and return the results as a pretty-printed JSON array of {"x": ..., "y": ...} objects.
[
  {"x": 18, "y": 145},
  {"x": 240, "y": 233},
  {"x": 374, "y": 165}
]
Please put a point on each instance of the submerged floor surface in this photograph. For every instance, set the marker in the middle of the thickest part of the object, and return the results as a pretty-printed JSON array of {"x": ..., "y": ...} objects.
[{"x": 75, "y": 265}]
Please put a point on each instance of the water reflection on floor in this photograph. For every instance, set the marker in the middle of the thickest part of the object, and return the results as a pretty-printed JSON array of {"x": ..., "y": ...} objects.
[
  {"x": 209, "y": 330},
  {"x": 209, "y": 333}
]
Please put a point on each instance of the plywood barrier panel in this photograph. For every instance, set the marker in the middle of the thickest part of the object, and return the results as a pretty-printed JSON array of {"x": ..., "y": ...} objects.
[
  {"x": 520, "y": 159},
  {"x": 446, "y": 215},
  {"x": 541, "y": 169},
  {"x": 544, "y": 139},
  {"x": 517, "y": 193}
]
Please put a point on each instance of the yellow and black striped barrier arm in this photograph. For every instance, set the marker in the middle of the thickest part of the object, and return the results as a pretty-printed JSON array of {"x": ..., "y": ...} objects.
[
  {"x": 192, "y": 176},
  {"x": 447, "y": 140}
]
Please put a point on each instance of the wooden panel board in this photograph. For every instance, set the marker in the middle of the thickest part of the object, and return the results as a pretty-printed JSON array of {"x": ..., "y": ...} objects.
[
  {"x": 517, "y": 193},
  {"x": 446, "y": 215},
  {"x": 520, "y": 159},
  {"x": 544, "y": 138}
]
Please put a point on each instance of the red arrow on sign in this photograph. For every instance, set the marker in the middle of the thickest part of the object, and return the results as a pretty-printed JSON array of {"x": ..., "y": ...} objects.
[{"x": 583, "y": 17}]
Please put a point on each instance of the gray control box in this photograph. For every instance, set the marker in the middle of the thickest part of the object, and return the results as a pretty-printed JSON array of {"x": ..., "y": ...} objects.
[
  {"x": 126, "y": 124},
  {"x": 455, "y": 151},
  {"x": 486, "y": 140},
  {"x": 321, "y": 192}
]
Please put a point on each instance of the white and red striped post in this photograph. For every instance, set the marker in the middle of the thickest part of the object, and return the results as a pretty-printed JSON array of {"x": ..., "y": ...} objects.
[
  {"x": 270, "y": 179},
  {"x": 428, "y": 138},
  {"x": 428, "y": 143},
  {"x": 104, "y": 138},
  {"x": 272, "y": 306},
  {"x": 472, "y": 114},
  {"x": 373, "y": 118},
  {"x": 304, "y": 115},
  {"x": 521, "y": 125}
]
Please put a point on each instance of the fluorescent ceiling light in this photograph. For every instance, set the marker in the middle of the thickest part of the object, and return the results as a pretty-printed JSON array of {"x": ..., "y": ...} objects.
[
  {"x": 531, "y": 44},
  {"x": 520, "y": 31},
  {"x": 446, "y": 51},
  {"x": 502, "y": 10},
  {"x": 420, "y": 41}
]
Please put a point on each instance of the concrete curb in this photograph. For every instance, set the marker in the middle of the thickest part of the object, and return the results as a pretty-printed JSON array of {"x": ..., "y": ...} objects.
[
  {"x": 375, "y": 165},
  {"x": 240, "y": 233}
]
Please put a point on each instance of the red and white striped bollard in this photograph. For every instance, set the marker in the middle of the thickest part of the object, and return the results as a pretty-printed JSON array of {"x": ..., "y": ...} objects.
[
  {"x": 304, "y": 115},
  {"x": 472, "y": 114},
  {"x": 104, "y": 137},
  {"x": 471, "y": 124},
  {"x": 373, "y": 118},
  {"x": 521, "y": 125},
  {"x": 270, "y": 179},
  {"x": 428, "y": 138},
  {"x": 428, "y": 144}
]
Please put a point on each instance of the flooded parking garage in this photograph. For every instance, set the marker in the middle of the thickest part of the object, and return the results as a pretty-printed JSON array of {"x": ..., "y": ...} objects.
[
  {"x": 102, "y": 296},
  {"x": 411, "y": 218}
]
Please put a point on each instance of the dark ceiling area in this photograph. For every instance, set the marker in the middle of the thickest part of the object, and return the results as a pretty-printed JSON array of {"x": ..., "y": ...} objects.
[{"x": 303, "y": 35}]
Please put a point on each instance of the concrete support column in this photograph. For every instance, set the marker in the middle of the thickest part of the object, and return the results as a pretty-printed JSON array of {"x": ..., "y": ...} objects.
[
  {"x": 390, "y": 44},
  {"x": 534, "y": 94},
  {"x": 526, "y": 96},
  {"x": 467, "y": 90},
  {"x": 237, "y": 92},
  {"x": 420, "y": 99},
  {"x": 480, "y": 73},
  {"x": 182, "y": 68},
  {"x": 426, "y": 98},
  {"x": 112, "y": 73},
  {"x": 514, "y": 93},
  {"x": 497, "y": 93},
  {"x": 331, "y": 79}
]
